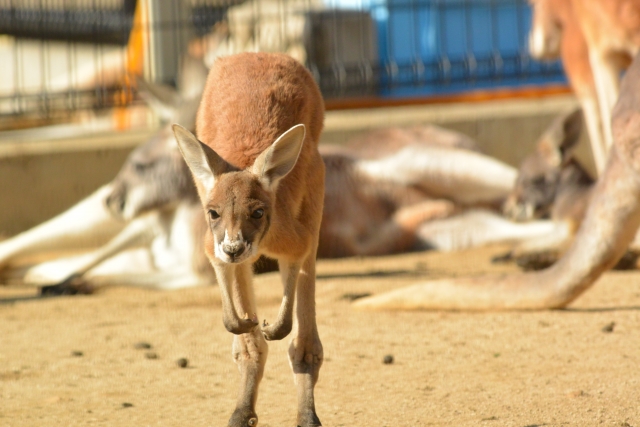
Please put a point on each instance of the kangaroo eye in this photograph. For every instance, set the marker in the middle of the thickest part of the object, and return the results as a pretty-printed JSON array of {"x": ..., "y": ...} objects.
[
  {"x": 214, "y": 214},
  {"x": 257, "y": 214},
  {"x": 142, "y": 167}
]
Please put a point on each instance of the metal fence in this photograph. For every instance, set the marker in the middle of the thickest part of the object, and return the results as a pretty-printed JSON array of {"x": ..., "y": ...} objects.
[{"x": 64, "y": 55}]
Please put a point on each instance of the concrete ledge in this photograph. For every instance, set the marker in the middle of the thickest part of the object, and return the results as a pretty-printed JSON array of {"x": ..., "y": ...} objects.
[{"x": 40, "y": 176}]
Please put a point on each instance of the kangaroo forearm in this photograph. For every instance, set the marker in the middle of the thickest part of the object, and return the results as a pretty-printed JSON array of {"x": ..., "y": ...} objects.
[{"x": 87, "y": 224}]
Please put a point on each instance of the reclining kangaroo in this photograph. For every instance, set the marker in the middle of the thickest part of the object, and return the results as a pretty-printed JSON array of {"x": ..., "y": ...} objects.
[
  {"x": 142, "y": 221},
  {"x": 260, "y": 179},
  {"x": 551, "y": 183},
  {"x": 610, "y": 224}
]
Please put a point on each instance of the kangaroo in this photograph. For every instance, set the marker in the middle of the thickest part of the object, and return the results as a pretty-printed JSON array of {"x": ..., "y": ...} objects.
[
  {"x": 556, "y": 32},
  {"x": 551, "y": 184},
  {"x": 383, "y": 186},
  {"x": 610, "y": 223},
  {"x": 260, "y": 179},
  {"x": 140, "y": 221},
  {"x": 611, "y": 29},
  {"x": 611, "y": 34}
]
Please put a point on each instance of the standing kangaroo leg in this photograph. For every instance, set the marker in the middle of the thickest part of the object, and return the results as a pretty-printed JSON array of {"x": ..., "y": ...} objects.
[
  {"x": 250, "y": 351},
  {"x": 594, "y": 129},
  {"x": 606, "y": 77},
  {"x": 305, "y": 351}
]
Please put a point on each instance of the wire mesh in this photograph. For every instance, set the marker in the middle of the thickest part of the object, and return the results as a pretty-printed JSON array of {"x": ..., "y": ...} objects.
[{"x": 65, "y": 55}]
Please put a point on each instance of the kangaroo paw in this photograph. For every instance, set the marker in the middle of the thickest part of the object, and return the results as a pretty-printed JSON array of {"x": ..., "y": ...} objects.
[
  {"x": 278, "y": 330},
  {"x": 71, "y": 286},
  {"x": 238, "y": 326},
  {"x": 537, "y": 261}
]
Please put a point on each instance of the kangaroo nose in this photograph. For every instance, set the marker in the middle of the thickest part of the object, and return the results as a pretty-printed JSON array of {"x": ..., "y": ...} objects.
[{"x": 233, "y": 250}]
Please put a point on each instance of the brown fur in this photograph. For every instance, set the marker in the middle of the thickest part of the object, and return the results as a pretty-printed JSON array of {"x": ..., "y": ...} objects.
[
  {"x": 251, "y": 100},
  {"x": 611, "y": 31},
  {"x": 564, "y": 38}
]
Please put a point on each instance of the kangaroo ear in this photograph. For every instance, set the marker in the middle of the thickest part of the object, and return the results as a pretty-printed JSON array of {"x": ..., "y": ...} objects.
[
  {"x": 162, "y": 99},
  {"x": 277, "y": 161},
  {"x": 205, "y": 164},
  {"x": 559, "y": 140}
]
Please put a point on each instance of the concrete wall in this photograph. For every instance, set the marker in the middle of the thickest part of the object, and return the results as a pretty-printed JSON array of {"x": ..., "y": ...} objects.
[{"x": 39, "y": 179}]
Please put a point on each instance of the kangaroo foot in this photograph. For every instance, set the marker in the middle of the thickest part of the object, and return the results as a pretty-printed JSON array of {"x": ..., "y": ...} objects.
[
  {"x": 243, "y": 417},
  {"x": 305, "y": 355},
  {"x": 628, "y": 261},
  {"x": 537, "y": 261},
  {"x": 278, "y": 330},
  {"x": 308, "y": 419},
  {"x": 71, "y": 286}
]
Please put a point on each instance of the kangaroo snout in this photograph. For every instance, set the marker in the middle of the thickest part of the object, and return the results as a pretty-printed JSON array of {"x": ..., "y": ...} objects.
[
  {"x": 518, "y": 210},
  {"x": 234, "y": 249},
  {"x": 115, "y": 201}
]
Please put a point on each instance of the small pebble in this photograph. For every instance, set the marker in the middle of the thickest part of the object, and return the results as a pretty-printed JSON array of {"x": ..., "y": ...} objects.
[
  {"x": 182, "y": 362},
  {"x": 127, "y": 405},
  {"x": 609, "y": 327},
  {"x": 142, "y": 345},
  {"x": 388, "y": 359},
  {"x": 150, "y": 355},
  {"x": 77, "y": 353}
]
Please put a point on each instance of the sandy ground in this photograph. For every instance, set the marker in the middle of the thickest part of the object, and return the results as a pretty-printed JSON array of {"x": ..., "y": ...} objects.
[{"x": 73, "y": 361}]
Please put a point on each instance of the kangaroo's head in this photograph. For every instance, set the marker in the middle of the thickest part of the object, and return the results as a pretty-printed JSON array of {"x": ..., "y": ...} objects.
[
  {"x": 546, "y": 28},
  {"x": 154, "y": 176},
  {"x": 539, "y": 176},
  {"x": 239, "y": 204}
]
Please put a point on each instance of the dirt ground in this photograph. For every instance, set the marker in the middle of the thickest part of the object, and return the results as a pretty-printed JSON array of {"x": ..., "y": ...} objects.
[{"x": 73, "y": 361}]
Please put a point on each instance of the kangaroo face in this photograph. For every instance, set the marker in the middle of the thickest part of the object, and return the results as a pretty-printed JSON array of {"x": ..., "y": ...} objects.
[
  {"x": 154, "y": 176},
  {"x": 539, "y": 176},
  {"x": 239, "y": 204},
  {"x": 239, "y": 214},
  {"x": 535, "y": 190}
]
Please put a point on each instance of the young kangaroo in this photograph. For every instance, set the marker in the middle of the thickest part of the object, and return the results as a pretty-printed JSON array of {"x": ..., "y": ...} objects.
[
  {"x": 609, "y": 226},
  {"x": 260, "y": 179}
]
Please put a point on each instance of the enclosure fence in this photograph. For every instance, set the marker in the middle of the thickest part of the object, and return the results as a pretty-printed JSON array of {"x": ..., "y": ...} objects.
[{"x": 59, "y": 56}]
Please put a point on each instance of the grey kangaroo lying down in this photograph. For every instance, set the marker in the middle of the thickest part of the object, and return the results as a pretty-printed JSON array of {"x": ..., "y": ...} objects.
[
  {"x": 552, "y": 184},
  {"x": 140, "y": 222},
  {"x": 609, "y": 226}
]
